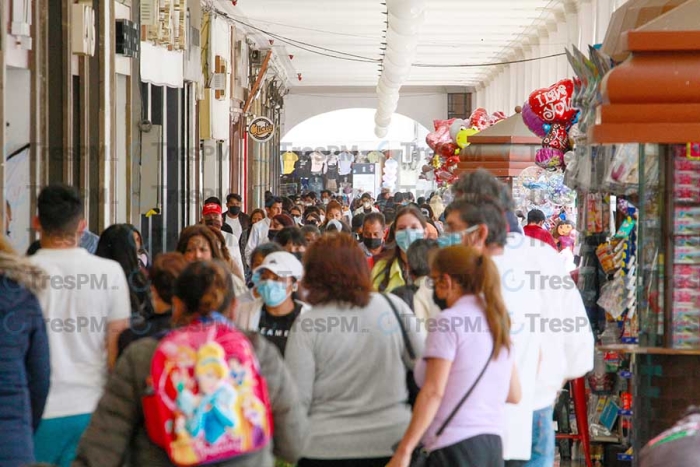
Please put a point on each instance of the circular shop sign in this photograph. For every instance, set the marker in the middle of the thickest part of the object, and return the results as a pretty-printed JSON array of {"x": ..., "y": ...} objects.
[{"x": 261, "y": 129}]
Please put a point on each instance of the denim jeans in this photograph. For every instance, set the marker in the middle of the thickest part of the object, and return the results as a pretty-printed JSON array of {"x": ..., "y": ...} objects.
[{"x": 542, "y": 438}]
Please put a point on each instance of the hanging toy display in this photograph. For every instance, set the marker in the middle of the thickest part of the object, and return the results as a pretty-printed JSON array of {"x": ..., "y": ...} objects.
[
  {"x": 564, "y": 234},
  {"x": 542, "y": 189},
  {"x": 549, "y": 114},
  {"x": 460, "y": 132},
  {"x": 449, "y": 139}
]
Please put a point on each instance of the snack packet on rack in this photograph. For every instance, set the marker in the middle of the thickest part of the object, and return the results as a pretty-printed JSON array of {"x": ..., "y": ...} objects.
[{"x": 606, "y": 257}]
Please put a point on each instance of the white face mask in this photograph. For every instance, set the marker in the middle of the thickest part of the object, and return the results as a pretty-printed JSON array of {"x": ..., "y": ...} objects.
[
  {"x": 323, "y": 218},
  {"x": 367, "y": 205}
]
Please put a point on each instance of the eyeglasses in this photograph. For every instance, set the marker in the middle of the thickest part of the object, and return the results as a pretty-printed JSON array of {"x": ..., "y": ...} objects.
[{"x": 431, "y": 281}]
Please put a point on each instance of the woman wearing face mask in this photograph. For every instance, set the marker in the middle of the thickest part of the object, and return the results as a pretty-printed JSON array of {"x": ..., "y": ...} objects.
[
  {"x": 278, "y": 223},
  {"x": 391, "y": 271},
  {"x": 273, "y": 314},
  {"x": 293, "y": 241},
  {"x": 296, "y": 215},
  {"x": 334, "y": 211},
  {"x": 459, "y": 361}
]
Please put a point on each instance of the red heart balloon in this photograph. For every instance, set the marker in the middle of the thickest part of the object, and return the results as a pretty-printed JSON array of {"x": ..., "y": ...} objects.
[
  {"x": 479, "y": 119},
  {"x": 557, "y": 138},
  {"x": 446, "y": 149},
  {"x": 553, "y": 104}
]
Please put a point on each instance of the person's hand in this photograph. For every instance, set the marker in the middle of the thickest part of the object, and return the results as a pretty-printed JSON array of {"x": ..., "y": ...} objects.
[{"x": 400, "y": 460}]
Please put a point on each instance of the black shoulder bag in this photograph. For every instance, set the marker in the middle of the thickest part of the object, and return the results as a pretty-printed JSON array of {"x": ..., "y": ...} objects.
[
  {"x": 419, "y": 457},
  {"x": 411, "y": 385}
]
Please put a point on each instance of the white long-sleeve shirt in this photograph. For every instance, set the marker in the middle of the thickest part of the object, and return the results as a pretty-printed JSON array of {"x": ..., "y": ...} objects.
[
  {"x": 258, "y": 236},
  {"x": 547, "y": 318},
  {"x": 233, "y": 245}
]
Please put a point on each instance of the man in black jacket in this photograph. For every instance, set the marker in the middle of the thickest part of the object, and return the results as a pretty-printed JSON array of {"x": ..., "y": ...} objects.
[{"x": 238, "y": 220}]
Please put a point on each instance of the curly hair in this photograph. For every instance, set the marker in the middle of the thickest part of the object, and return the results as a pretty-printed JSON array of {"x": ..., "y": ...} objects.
[{"x": 339, "y": 277}]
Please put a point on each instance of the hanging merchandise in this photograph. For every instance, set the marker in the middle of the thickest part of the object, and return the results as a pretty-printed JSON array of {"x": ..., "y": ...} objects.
[
  {"x": 332, "y": 173},
  {"x": 447, "y": 141},
  {"x": 289, "y": 160},
  {"x": 389, "y": 177},
  {"x": 549, "y": 111}
]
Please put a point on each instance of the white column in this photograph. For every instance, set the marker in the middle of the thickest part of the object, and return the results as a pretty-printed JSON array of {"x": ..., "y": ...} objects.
[
  {"x": 603, "y": 12},
  {"x": 513, "y": 82},
  {"x": 552, "y": 49},
  {"x": 478, "y": 95},
  {"x": 528, "y": 82},
  {"x": 544, "y": 64},
  {"x": 503, "y": 89},
  {"x": 522, "y": 90},
  {"x": 536, "y": 64},
  {"x": 572, "y": 28},
  {"x": 587, "y": 23},
  {"x": 562, "y": 44}
]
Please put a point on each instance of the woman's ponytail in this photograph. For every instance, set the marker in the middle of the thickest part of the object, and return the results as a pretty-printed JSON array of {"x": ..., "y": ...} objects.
[
  {"x": 478, "y": 275},
  {"x": 489, "y": 286}
]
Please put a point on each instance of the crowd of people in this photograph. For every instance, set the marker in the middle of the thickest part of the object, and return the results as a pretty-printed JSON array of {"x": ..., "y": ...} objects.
[{"x": 383, "y": 331}]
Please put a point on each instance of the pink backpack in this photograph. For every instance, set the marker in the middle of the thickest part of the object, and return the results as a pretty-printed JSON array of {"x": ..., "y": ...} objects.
[{"x": 207, "y": 401}]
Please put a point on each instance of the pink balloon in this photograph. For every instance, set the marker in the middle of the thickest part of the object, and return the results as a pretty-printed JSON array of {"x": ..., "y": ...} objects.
[
  {"x": 532, "y": 121},
  {"x": 549, "y": 158}
]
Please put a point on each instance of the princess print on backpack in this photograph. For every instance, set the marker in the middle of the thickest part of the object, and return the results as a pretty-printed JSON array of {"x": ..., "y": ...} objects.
[
  {"x": 208, "y": 401},
  {"x": 212, "y": 410}
]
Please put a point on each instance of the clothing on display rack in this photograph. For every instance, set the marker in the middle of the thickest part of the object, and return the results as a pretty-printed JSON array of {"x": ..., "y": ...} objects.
[
  {"x": 316, "y": 184},
  {"x": 288, "y": 162},
  {"x": 332, "y": 173},
  {"x": 318, "y": 163},
  {"x": 302, "y": 167},
  {"x": 345, "y": 161},
  {"x": 375, "y": 157}
]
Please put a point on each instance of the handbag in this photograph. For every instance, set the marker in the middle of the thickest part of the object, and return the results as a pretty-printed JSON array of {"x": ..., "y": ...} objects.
[{"x": 419, "y": 456}]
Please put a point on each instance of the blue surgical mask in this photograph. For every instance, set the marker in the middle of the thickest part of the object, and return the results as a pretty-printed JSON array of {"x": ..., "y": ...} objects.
[
  {"x": 273, "y": 293},
  {"x": 455, "y": 238},
  {"x": 404, "y": 238}
]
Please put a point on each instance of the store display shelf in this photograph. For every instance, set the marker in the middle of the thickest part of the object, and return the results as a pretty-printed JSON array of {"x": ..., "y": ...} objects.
[
  {"x": 605, "y": 439},
  {"x": 635, "y": 349}
]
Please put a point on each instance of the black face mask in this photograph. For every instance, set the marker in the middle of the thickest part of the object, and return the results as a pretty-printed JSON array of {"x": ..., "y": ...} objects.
[
  {"x": 234, "y": 210},
  {"x": 298, "y": 255},
  {"x": 440, "y": 302},
  {"x": 271, "y": 234},
  {"x": 372, "y": 243}
]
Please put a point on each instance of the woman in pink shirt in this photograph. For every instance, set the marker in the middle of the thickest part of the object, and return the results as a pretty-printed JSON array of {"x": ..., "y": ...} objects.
[{"x": 468, "y": 351}]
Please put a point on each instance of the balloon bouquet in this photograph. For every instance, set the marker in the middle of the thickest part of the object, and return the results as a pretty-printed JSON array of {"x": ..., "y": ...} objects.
[
  {"x": 549, "y": 114},
  {"x": 447, "y": 141}
]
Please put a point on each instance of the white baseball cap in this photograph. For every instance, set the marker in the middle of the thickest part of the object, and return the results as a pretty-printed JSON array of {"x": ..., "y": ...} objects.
[{"x": 282, "y": 264}]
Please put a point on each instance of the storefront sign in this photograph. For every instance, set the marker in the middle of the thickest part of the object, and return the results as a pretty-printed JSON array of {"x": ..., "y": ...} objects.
[
  {"x": 261, "y": 129},
  {"x": 364, "y": 178}
]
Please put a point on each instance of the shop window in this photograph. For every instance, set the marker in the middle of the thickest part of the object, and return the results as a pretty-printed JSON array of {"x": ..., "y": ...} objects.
[{"x": 459, "y": 105}]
